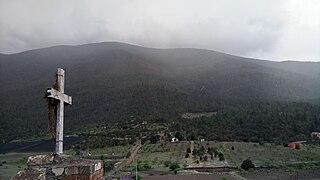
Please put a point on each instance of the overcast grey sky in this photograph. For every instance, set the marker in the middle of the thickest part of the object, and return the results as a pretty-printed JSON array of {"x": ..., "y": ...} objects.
[{"x": 265, "y": 29}]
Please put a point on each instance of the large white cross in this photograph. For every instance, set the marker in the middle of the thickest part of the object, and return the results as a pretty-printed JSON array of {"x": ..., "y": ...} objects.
[{"x": 62, "y": 98}]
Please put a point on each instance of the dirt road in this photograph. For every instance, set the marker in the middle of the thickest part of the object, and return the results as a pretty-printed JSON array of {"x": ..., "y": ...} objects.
[{"x": 125, "y": 163}]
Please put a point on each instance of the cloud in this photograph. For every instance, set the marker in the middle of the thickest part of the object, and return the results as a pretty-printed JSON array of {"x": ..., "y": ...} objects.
[{"x": 267, "y": 29}]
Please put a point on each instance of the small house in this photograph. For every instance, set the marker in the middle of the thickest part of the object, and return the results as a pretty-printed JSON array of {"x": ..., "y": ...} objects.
[
  {"x": 295, "y": 144},
  {"x": 174, "y": 140}
]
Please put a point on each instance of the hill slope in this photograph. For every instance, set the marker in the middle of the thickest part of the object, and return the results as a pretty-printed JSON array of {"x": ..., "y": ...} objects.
[{"x": 115, "y": 81}]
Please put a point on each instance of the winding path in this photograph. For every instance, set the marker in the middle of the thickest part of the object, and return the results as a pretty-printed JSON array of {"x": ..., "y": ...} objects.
[{"x": 126, "y": 163}]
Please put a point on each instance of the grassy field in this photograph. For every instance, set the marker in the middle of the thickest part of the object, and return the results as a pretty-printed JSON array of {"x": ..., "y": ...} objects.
[
  {"x": 165, "y": 151},
  {"x": 107, "y": 151},
  {"x": 291, "y": 160},
  {"x": 156, "y": 155},
  {"x": 234, "y": 153},
  {"x": 13, "y": 163},
  {"x": 266, "y": 154},
  {"x": 283, "y": 174}
]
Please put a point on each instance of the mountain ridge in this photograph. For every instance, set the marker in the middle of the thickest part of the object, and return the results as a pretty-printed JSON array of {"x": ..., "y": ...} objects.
[
  {"x": 116, "y": 81},
  {"x": 157, "y": 48}
]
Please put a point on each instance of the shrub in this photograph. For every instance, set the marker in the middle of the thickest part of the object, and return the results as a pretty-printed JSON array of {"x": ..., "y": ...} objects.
[
  {"x": 185, "y": 166},
  {"x": 188, "y": 150},
  {"x": 247, "y": 165},
  {"x": 107, "y": 166},
  {"x": 187, "y": 155},
  {"x": 78, "y": 153},
  {"x": 142, "y": 166},
  {"x": 210, "y": 151},
  {"x": 195, "y": 152},
  {"x": 154, "y": 139},
  {"x": 215, "y": 152},
  {"x": 261, "y": 142},
  {"x": 146, "y": 166},
  {"x": 205, "y": 158},
  {"x": 174, "y": 166},
  {"x": 167, "y": 163},
  {"x": 138, "y": 177},
  {"x": 221, "y": 157},
  {"x": 128, "y": 154}
]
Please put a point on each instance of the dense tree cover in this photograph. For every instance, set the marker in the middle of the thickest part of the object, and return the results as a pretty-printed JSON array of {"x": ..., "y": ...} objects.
[
  {"x": 260, "y": 122},
  {"x": 264, "y": 122},
  {"x": 114, "y": 82}
]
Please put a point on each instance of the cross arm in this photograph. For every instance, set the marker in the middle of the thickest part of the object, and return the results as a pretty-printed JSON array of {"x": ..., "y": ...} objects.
[{"x": 52, "y": 93}]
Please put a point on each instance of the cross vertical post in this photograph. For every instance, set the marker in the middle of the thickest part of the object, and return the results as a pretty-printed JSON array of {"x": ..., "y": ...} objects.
[{"x": 60, "y": 113}]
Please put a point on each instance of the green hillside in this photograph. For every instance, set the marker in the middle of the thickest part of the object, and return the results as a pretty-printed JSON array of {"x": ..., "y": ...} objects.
[{"x": 115, "y": 81}]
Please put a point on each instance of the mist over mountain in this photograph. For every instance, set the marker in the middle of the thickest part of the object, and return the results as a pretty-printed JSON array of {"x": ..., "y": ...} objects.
[{"x": 115, "y": 81}]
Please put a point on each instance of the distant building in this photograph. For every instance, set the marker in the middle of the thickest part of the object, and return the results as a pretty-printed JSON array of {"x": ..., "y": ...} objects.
[
  {"x": 315, "y": 135},
  {"x": 202, "y": 140},
  {"x": 174, "y": 139},
  {"x": 294, "y": 145}
]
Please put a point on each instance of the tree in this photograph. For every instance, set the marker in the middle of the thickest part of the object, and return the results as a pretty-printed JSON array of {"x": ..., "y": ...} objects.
[
  {"x": 188, "y": 150},
  {"x": 247, "y": 165},
  {"x": 210, "y": 150},
  {"x": 154, "y": 139},
  {"x": 174, "y": 166},
  {"x": 221, "y": 157},
  {"x": 195, "y": 152},
  {"x": 201, "y": 151},
  {"x": 179, "y": 136},
  {"x": 215, "y": 153},
  {"x": 187, "y": 155},
  {"x": 205, "y": 158}
]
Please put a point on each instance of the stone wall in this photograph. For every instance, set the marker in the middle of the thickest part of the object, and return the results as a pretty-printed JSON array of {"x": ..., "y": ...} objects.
[{"x": 64, "y": 168}]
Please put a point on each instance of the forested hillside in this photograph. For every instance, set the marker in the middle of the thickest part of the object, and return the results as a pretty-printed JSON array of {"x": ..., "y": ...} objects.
[{"x": 114, "y": 82}]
